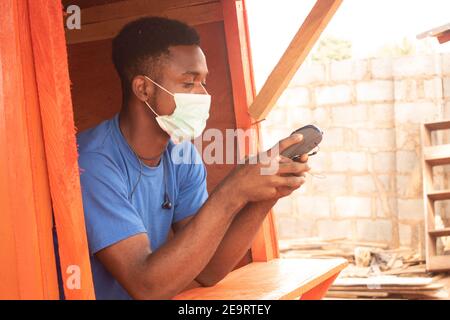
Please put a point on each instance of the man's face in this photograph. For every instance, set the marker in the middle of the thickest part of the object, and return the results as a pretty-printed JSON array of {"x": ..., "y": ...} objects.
[{"x": 184, "y": 71}]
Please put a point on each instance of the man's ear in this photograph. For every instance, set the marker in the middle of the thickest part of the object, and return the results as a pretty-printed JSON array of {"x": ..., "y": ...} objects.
[{"x": 142, "y": 88}]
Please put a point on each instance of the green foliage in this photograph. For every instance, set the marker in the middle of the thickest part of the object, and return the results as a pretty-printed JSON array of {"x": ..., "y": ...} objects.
[
  {"x": 332, "y": 49},
  {"x": 404, "y": 48}
]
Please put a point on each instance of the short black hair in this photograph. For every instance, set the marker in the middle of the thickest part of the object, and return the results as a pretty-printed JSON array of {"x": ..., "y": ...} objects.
[{"x": 139, "y": 46}]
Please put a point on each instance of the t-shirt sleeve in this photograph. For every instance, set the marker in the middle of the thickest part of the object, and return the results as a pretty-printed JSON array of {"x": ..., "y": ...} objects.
[
  {"x": 192, "y": 192},
  {"x": 109, "y": 215}
]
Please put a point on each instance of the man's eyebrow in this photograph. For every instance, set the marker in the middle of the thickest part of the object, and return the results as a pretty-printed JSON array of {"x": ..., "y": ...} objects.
[{"x": 194, "y": 73}]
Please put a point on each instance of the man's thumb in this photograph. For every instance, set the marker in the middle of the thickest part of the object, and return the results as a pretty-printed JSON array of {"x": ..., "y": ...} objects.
[{"x": 289, "y": 141}]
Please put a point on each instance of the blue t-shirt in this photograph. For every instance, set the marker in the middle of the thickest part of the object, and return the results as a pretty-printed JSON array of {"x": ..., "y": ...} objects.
[{"x": 109, "y": 171}]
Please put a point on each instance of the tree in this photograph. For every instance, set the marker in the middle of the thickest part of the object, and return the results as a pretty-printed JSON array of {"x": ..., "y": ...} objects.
[{"x": 331, "y": 48}]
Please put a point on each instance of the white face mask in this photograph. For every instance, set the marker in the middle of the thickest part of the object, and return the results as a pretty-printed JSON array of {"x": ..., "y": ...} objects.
[{"x": 188, "y": 120}]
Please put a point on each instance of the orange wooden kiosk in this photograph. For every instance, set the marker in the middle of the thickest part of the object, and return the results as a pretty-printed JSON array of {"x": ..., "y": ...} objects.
[{"x": 54, "y": 82}]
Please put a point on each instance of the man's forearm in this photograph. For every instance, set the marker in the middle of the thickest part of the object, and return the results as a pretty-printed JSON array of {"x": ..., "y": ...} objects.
[
  {"x": 190, "y": 250},
  {"x": 236, "y": 242}
]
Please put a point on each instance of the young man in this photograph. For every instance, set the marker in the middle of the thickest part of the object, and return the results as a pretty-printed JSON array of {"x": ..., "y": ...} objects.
[{"x": 135, "y": 194}]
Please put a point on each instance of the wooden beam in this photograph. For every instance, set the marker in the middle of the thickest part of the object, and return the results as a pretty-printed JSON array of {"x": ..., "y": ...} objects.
[
  {"x": 440, "y": 233},
  {"x": 240, "y": 64},
  {"x": 130, "y": 8},
  {"x": 278, "y": 279},
  {"x": 438, "y": 125},
  {"x": 438, "y": 263},
  {"x": 265, "y": 244},
  {"x": 53, "y": 83},
  {"x": 444, "y": 37},
  {"x": 439, "y": 195},
  {"x": 27, "y": 268},
  {"x": 99, "y": 25},
  {"x": 437, "y": 155},
  {"x": 434, "y": 32},
  {"x": 295, "y": 54},
  {"x": 39, "y": 172}
]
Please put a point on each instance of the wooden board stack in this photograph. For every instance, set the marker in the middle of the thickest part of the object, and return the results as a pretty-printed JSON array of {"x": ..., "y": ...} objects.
[{"x": 374, "y": 272}]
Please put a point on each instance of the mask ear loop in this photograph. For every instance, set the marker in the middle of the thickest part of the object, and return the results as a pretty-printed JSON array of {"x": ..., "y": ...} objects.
[
  {"x": 315, "y": 175},
  {"x": 204, "y": 88},
  {"x": 160, "y": 86},
  {"x": 148, "y": 105}
]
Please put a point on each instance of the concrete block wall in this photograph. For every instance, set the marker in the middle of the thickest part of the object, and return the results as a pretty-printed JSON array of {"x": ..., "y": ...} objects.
[{"x": 368, "y": 176}]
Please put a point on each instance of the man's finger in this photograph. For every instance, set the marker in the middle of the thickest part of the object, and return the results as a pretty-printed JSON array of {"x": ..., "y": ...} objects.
[
  {"x": 293, "y": 168},
  {"x": 284, "y": 144},
  {"x": 290, "y": 181},
  {"x": 284, "y": 159},
  {"x": 303, "y": 159}
]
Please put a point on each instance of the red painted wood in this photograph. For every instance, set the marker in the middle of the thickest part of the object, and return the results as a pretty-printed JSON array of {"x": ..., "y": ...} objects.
[
  {"x": 265, "y": 245},
  {"x": 444, "y": 37},
  {"x": 319, "y": 291},
  {"x": 278, "y": 279},
  {"x": 27, "y": 264},
  {"x": 41, "y": 188},
  {"x": 50, "y": 57}
]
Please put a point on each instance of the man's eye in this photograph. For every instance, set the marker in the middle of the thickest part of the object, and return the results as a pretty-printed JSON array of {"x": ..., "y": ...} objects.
[{"x": 188, "y": 85}]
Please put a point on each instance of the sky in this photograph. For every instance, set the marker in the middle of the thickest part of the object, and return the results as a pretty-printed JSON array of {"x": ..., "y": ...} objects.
[{"x": 368, "y": 24}]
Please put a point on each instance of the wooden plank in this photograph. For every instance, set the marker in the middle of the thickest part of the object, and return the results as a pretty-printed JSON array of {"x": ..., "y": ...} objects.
[
  {"x": 438, "y": 263},
  {"x": 439, "y": 195},
  {"x": 296, "y": 53},
  {"x": 40, "y": 183},
  {"x": 50, "y": 56},
  {"x": 439, "y": 125},
  {"x": 355, "y": 294},
  {"x": 427, "y": 173},
  {"x": 130, "y": 8},
  {"x": 278, "y": 279},
  {"x": 192, "y": 15},
  {"x": 434, "y": 32},
  {"x": 27, "y": 269},
  {"x": 444, "y": 37},
  {"x": 265, "y": 244},
  {"x": 437, "y": 155},
  {"x": 430, "y": 287},
  {"x": 383, "y": 281},
  {"x": 439, "y": 232},
  {"x": 20, "y": 274},
  {"x": 319, "y": 291}
]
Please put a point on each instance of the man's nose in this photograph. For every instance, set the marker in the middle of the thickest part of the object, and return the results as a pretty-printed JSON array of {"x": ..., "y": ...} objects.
[{"x": 200, "y": 89}]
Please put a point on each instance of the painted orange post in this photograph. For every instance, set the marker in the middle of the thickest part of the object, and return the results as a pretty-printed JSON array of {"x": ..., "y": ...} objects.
[
  {"x": 318, "y": 292},
  {"x": 265, "y": 245},
  {"x": 53, "y": 83},
  {"x": 27, "y": 262}
]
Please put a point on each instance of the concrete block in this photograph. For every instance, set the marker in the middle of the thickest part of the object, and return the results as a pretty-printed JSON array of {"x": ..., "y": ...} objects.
[
  {"x": 347, "y": 70},
  {"x": 353, "y": 206},
  {"x": 333, "y": 229},
  {"x": 422, "y": 65},
  {"x": 329, "y": 95},
  {"x": 342, "y": 161},
  {"x": 374, "y": 230},
  {"x": 375, "y": 90},
  {"x": 410, "y": 209}
]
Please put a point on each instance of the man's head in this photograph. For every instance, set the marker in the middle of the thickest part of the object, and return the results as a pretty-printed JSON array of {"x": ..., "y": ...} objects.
[{"x": 165, "y": 50}]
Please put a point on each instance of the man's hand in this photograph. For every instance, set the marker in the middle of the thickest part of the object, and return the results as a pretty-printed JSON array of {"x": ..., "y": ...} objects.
[
  {"x": 287, "y": 175},
  {"x": 285, "y": 191}
]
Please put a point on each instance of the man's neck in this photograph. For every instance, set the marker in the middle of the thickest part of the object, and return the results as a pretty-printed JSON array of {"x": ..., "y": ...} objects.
[{"x": 143, "y": 134}]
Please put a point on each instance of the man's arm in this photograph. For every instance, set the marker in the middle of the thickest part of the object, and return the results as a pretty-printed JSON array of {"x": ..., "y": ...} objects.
[
  {"x": 161, "y": 274},
  {"x": 235, "y": 244},
  {"x": 165, "y": 272},
  {"x": 238, "y": 238}
]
